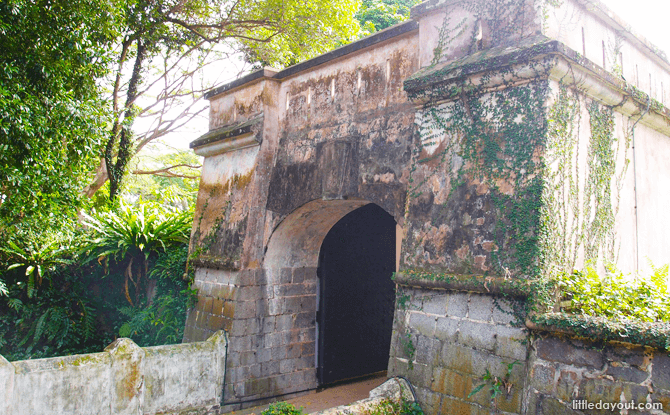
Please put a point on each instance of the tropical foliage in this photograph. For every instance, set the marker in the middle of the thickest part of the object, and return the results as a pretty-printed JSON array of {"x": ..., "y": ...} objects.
[
  {"x": 618, "y": 296},
  {"x": 52, "y": 122},
  {"x": 76, "y": 291},
  {"x": 375, "y": 15}
]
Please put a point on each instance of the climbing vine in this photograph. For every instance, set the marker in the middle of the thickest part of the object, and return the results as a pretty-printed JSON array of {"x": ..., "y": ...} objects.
[{"x": 493, "y": 141}]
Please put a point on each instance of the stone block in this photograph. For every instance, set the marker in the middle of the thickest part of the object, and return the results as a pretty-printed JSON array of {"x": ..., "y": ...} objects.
[
  {"x": 480, "y": 307},
  {"x": 301, "y": 275},
  {"x": 217, "y": 306},
  {"x": 628, "y": 374},
  {"x": 215, "y": 323},
  {"x": 633, "y": 356},
  {"x": 422, "y": 323},
  {"x": 451, "y": 405},
  {"x": 308, "y": 349},
  {"x": 292, "y": 305},
  {"x": 663, "y": 397},
  {"x": 255, "y": 370},
  {"x": 268, "y": 324},
  {"x": 427, "y": 350},
  {"x": 293, "y": 351},
  {"x": 285, "y": 276},
  {"x": 477, "y": 335},
  {"x": 238, "y": 328},
  {"x": 503, "y": 313},
  {"x": 594, "y": 390},
  {"x": 284, "y": 322},
  {"x": 308, "y": 303},
  {"x": 446, "y": 329},
  {"x": 635, "y": 393},
  {"x": 260, "y": 276},
  {"x": 279, "y": 353},
  {"x": 270, "y": 368},
  {"x": 429, "y": 401},
  {"x": 268, "y": 291},
  {"x": 567, "y": 386},
  {"x": 229, "y": 309},
  {"x": 457, "y": 305},
  {"x": 436, "y": 304},
  {"x": 660, "y": 374},
  {"x": 250, "y": 293},
  {"x": 570, "y": 352},
  {"x": 248, "y": 358},
  {"x": 246, "y": 343},
  {"x": 304, "y": 320},
  {"x": 7, "y": 373},
  {"x": 288, "y": 365},
  {"x": 301, "y": 335},
  {"x": 264, "y": 355},
  {"x": 419, "y": 375},
  {"x": 397, "y": 367},
  {"x": 256, "y": 386},
  {"x": 542, "y": 378},
  {"x": 127, "y": 377},
  {"x": 273, "y": 340},
  {"x": 548, "y": 405},
  {"x": 275, "y": 307},
  {"x": 511, "y": 342},
  {"x": 448, "y": 382},
  {"x": 458, "y": 358},
  {"x": 245, "y": 309}
]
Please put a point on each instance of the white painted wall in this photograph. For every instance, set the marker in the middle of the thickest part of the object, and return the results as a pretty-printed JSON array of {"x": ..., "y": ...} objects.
[{"x": 124, "y": 379}]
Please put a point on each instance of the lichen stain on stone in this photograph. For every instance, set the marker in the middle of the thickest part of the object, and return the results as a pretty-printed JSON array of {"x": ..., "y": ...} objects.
[{"x": 248, "y": 107}]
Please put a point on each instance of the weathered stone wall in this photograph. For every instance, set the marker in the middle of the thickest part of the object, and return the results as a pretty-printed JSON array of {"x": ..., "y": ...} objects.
[
  {"x": 455, "y": 124},
  {"x": 124, "y": 379},
  {"x": 563, "y": 370},
  {"x": 445, "y": 341},
  {"x": 290, "y": 154}
]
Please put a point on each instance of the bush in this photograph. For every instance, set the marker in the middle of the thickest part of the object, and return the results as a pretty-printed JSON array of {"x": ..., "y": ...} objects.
[
  {"x": 282, "y": 408},
  {"x": 617, "y": 296},
  {"x": 75, "y": 292}
]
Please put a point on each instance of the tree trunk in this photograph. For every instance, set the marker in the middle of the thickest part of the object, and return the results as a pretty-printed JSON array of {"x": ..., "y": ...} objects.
[{"x": 101, "y": 177}]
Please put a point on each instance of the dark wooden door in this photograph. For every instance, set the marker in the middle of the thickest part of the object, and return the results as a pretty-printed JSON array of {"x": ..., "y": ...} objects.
[{"x": 355, "y": 316}]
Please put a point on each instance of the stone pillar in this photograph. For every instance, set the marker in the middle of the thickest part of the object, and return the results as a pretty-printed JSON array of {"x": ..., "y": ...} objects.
[
  {"x": 6, "y": 385},
  {"x": 127, "y": 377}
]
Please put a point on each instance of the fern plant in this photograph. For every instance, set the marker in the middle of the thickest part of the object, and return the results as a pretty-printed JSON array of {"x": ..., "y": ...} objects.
[
  {"x": 38, "y": 256},
  {"x": 130, "y": 236}
]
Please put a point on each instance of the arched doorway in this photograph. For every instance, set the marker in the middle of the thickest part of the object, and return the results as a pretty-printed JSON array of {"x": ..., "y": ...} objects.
[{"x": 356, "y": 295}]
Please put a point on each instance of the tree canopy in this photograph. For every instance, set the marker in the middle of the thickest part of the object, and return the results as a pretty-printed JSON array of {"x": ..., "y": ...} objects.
[
  {"x": 52, "y": 118},
  {"x": 75, "y": 77}
]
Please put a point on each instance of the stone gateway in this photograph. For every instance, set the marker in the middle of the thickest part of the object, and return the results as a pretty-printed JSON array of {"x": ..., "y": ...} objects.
[{"x": 392, "y": 205}]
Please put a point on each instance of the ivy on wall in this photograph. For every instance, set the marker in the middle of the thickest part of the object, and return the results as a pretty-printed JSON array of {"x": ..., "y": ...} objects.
[{"x": 492, "y": 139}]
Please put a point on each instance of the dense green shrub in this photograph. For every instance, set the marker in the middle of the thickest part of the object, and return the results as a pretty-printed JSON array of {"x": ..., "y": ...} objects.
[
  {"x": 68, "y": 292},
  {"x": 282, "y": 408},
  {"x": 617, "y": 296}
]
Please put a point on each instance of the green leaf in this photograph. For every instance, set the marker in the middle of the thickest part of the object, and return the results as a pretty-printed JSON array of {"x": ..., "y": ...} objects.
[{"x": 476, "y": 389}]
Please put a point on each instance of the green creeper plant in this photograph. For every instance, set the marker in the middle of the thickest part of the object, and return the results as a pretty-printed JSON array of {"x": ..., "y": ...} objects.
[
  {"x": 497, "y": 386},
  {"x": 282, "y": 408},
  {"x": 390, "y": 406}
]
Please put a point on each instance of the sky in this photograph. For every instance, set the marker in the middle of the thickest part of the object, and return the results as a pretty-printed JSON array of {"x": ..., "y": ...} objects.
[{"x": 648, "y": 18}]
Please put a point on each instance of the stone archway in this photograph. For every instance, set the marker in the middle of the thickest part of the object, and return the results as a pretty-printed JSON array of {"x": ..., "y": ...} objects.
[{"x": 291, "y": 263}]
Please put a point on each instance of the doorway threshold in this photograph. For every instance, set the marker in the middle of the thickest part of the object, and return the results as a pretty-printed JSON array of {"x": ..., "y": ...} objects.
[{"x": 340, "y": 393}]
